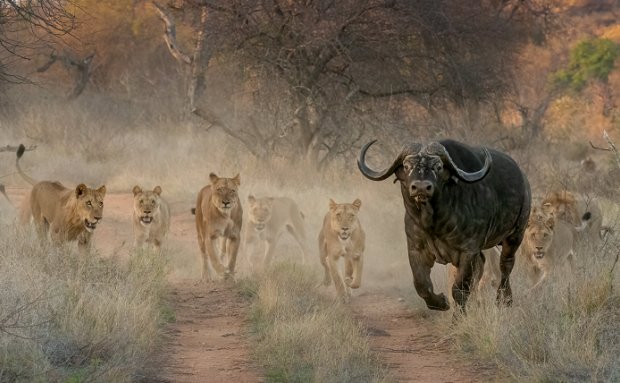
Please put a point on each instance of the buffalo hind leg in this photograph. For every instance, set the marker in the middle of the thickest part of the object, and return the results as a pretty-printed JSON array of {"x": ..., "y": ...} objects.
[
  {"x": 424, "y": 287},
  {"x": 506, "y": 263}
]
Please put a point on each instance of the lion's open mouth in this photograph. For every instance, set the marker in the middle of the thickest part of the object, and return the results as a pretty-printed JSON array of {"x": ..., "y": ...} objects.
[
  {"x": 90, "y": 226},
  {"x": 146, "y": 219},
  {"x": 260, "y": 226},
  {"x": 539, "y": 254},
  {"x": 344, "y": 235}
]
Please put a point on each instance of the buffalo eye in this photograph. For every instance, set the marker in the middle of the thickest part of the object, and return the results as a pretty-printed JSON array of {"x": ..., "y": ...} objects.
[{"x": 407, "y": 167}]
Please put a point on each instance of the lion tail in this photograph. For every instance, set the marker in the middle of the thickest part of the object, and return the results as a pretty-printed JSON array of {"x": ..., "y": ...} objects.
[
  {"x": 20, "y": 153},
  {"x": 3, "y": 191}
]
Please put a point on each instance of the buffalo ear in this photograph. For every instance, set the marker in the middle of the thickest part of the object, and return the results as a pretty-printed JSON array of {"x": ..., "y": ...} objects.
[
  {"x": 157, "y": 190},
  {"x": 357, "y": 203},
  {"x": 214, "y": 178},
  {"x": 251, "y": 199},
  {"x": 400, "y": 174},
  {"x": 332, "y": 204},
  {"x": 136, "y": 190},
  {"x": 80, "y": 190}
]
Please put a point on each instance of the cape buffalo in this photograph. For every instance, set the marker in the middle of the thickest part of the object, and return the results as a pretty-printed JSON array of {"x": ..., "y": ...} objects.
[{"x": 459, "y": 200}]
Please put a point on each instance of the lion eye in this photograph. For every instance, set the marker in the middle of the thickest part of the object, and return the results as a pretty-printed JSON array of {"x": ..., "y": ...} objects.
[
  {"x": 89, "y": 204},
  {"x": 100, "y": 204},
  {"x": 141, "y": 201},
  {"x": 338, "y": 215}
]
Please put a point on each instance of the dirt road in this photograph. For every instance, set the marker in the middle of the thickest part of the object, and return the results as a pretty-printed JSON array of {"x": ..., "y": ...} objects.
[{"x": 208, "y": 341}]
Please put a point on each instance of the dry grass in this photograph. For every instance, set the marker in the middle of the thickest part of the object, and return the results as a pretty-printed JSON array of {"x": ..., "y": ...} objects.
[
  {"x": 66, "y": 318},
  {"x": 564, "y": 331},
  {"x": 302, "y": 336}
]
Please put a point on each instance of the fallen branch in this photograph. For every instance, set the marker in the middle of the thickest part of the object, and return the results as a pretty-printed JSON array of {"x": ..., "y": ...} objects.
[{"x": 13, "y": 149}]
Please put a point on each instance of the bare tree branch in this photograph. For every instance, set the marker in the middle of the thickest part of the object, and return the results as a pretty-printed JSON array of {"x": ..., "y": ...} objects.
[
  {"x": 13, "y": 149},
  {"x": 170, "y": 34}
]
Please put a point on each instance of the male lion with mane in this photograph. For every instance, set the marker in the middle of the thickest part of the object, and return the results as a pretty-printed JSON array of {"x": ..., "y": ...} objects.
[
  {"x": 342, "y": 236},
  {"x": 151, "y": 217},
  {"x": 268, "y": 218},
  {"x": 66, "y": 214},
  {"x": 219, "y": 216}
]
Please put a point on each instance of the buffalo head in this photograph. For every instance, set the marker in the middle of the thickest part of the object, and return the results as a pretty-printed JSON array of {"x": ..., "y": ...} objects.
[{"x": 422, "y": 168}]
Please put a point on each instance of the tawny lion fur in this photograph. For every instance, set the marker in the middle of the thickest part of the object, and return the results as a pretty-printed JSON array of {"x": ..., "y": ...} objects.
[
  {"x": 65, "y": 213},
  {"x": 219, "y": 218},
  {"x": 269, "y": 218},
  {"x": 547, "y": 245},
  {"x": 151, "y": 217},
  {"x": 342, "y": 236}
]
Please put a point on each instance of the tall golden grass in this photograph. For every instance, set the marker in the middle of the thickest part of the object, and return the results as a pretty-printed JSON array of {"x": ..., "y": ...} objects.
[
  {"x": 303, "y": 336},
  {"x": 69, "y": 318},
  {"x": 565, "y": 330}
]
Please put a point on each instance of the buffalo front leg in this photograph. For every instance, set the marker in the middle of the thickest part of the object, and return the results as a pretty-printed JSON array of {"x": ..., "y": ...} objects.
[{"x": 424, "y": 287}]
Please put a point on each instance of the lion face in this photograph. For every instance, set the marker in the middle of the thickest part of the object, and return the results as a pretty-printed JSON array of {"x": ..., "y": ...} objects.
[
  {"x": 89, "y": 205},
  {"x": 539, "y": 233},
  {"x": 562, "y": 205},
  {"x": 260, "y": 211},
  {"x": 224, "y": 196},
  {"x": 344, "y": 217},
  {"x": 146, "y": 204}
]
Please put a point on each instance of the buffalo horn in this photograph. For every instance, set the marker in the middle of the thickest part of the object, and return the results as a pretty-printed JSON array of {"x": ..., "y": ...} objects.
[
  {"x": 373, "y": 174},
  {"x": 439, "y": 150}
]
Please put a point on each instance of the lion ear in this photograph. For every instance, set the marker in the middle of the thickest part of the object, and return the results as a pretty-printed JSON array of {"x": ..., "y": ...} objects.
[
  {"x": 357, "y": 203},
  {"x": 157, "y": 190},
  {"x": 213, "y": 177},
  {"x": 550, "y": 222},
  {"x": 251, "y": 199},
  {"x": 102, "y": 190},
  {"x": 136, "y": 190},
  {"x": 332, "y": 204},
  {"x": 80, "y": 190},
  {"x": 237, "y": 179}
]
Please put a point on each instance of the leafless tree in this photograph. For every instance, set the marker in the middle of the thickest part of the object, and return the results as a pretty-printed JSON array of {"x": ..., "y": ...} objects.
[
  {"x": 326, "y": 61},
  {"x": 25, "y": 24}
]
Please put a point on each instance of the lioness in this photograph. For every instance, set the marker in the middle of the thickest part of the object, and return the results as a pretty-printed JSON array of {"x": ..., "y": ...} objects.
[
  {"x": 548, "y": 244},
  {"x": 572, "y": 208},
  {"x": 151, "y": 217},
  {"x": 342, "y": 236},
  {"x": 268, "y": 218},
  {"x": 65, "y": 214},
  {"x": 219, "y": 215}
]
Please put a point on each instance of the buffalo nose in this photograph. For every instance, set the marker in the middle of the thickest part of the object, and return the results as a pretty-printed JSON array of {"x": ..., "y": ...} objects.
[{"x": 422, "y": 187}]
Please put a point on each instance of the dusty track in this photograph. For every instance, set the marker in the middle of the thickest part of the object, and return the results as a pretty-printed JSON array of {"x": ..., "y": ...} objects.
[{"x": 208, "y": 340}]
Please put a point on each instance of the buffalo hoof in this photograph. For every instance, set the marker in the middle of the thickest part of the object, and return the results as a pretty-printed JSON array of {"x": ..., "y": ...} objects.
[{"x": 440, "y": 303}]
